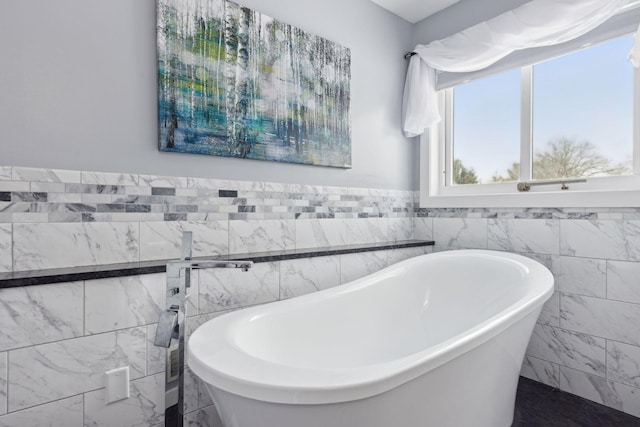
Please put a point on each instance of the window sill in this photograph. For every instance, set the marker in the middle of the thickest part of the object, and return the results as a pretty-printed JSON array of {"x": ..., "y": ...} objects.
[
  {"x": 504, "y": 195},
  {"x": 541, "y": 199}
]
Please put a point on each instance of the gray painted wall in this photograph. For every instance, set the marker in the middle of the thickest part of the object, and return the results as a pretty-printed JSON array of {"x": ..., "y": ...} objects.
[
  {"x": 78, "y": 91},
  {"x": 458, "y": 17}
]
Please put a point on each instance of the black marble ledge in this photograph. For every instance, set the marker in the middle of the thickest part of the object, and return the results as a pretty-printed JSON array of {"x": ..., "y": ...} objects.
[{"x": 75, "y": 274}]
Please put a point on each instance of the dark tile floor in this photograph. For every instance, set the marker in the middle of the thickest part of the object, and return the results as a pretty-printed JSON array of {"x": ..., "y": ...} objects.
[{"x": 538, "y": 405}]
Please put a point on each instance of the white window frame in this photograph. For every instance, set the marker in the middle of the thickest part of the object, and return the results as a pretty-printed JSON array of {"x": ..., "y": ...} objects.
[{"x": 436, "y": 189}]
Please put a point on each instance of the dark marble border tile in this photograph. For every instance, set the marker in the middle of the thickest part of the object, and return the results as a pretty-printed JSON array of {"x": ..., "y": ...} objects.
[{"x": 74, "y": 274}]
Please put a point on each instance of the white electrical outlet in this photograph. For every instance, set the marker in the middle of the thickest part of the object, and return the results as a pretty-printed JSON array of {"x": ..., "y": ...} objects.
[{"x": 117, "y": 384}]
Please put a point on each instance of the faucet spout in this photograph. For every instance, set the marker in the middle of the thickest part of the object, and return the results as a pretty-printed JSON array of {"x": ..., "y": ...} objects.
[{"x": 201, "y": 265}]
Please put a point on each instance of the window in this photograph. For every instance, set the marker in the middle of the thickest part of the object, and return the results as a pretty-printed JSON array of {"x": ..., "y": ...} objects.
[
  {"x": 583, "y": 113},
  {"x": 567, "y": 117},
  {"x": 486, "y": 113}
]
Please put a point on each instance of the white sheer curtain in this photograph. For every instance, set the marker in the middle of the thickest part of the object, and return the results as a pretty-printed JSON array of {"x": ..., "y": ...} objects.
[{"x": 536, "y": 23}]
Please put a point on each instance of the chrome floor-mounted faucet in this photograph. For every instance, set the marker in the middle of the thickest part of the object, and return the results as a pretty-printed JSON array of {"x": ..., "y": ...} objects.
[{"x": 170, "y": 331}]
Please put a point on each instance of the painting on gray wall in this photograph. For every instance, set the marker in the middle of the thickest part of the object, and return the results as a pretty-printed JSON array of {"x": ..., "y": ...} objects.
[{"x": 236, "y": 83}]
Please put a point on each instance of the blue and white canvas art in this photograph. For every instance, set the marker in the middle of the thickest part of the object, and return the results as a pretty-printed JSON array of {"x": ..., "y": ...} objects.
[{"x": 236, "y": 83}]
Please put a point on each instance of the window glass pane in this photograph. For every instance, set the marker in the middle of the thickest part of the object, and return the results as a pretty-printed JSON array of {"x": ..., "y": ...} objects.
[
  {"x": 486, "y": 129},
  {"x": 583, "y": 112}
]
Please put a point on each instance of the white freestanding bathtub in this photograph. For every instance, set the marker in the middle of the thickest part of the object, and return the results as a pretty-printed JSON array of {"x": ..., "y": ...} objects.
[{"x": 435, "y": 340}]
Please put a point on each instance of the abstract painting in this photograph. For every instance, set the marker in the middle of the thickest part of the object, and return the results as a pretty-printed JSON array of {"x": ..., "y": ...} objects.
[{"x": 236, "y": 83}]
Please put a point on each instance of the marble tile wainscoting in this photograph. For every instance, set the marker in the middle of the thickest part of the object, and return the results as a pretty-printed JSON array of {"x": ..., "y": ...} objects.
[
  {"x": 60, "y": 218},
  {"x": 587, "y": 340},
  {"x": 57, "y": 340}
]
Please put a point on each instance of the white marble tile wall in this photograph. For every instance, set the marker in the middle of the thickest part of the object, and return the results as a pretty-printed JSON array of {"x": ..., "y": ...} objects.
[
  {"x": 601, "y": 390},
  {"x": 47, "y": 372},
  {"x": 524, "y": 235},
  {"x": 320, "y": 233},
  {"x": 231, "y": 288},
  {"x": 4, "y": 377},
  {"x": 354, "y": 266},
  {"x": 303, "y": 276},
  {"x": 587, "y": 340},
  {"x": 59, "y": 339},
  {"x": 423, "y": 228},
  {"x": 541, "y": 370},
  {"x": 144, "y": 407},
  {"x": 5, "y": 173},
  {"x": 6, "y": 255},
  {"x": 458, "y": 233},
  {"x": 40, "y": 314},
  {"x": 60, "y": 413},
  {"x": 123, "y": 302},
  {"x": 163, "y": 239},
  {"x": 65, "y": 336},
  {"x": 400, "y": 229},
  {"x": 58, "y": 218},
  {"x": 261, "y": 236},
  {"x": 47, "y": 245},
  {"x": 623, "y": 281}
]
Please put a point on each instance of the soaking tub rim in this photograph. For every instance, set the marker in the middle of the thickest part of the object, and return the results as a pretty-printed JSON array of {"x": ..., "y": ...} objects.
[{"x": 270, "y": 381}]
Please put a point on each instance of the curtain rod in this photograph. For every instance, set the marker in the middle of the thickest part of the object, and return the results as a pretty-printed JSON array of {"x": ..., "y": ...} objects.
[{"x": 408, "y": 55}]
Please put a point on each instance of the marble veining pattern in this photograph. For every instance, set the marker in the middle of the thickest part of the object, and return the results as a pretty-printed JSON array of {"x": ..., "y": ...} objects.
[
  {"x": 303, "y": 276},
  {"x": 541, "y": 370},
  {"x": 319, "y": 233},
  {"x": 261, "y": 236},
  {"x": 423, "y": 228},
  {"x": 578, "y": 351},
  {"x": 354, "y": 266},
  {"x": 601, "y": 390},
  {"x": 224, "y": 289},
  {"x": 163, "y": 181},
  {"x": 207, "y": 183},
  {"x": 56, "y": 196},
  {"x": 144, "y": 408},
  {"x": 42, "y": 246},
  {"x": 396, "y": 255},
  {"x": 190, "y": 390},
  {"x": 47, "y": 372},
  {"x": 550, "y": 313},
  {"x": 45, "y": 175},
  {"x": 524, "y": 235},
  {"x": 583, "y": 276},
  {"x": 30, "y": 196},
  {"x": 588, "y": 326},
  {"x": 460, "y": 233},
  {"x": 552, "y": 262},
  {"x": 366, "y": 230},
  {"x": 205, "y": 417},
  {"x": 609, "y": 239},
  {"x": 123, "y": 302},
  {"x": 60, "y": 413},
  {"x": 6, "y": 256},
  {"x": 599, "y": 317},
  {"x": 106, "y": 178},
  {"x": 204, "y": 398},
  {"x": 4, "y": 378},
  {"x": 400, "y": 229},
  {"x": 163, "y": 240},
  {"x": 622, "y": 281},
  {"x": 623, "y": 363},
  {"x": 40, "y": 314}
]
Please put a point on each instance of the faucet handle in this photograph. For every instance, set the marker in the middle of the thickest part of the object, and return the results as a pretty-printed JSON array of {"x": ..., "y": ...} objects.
[{"x": 166, "y": 324}]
